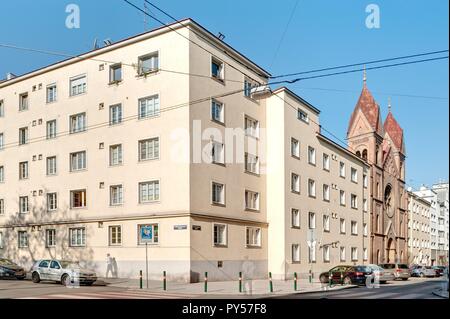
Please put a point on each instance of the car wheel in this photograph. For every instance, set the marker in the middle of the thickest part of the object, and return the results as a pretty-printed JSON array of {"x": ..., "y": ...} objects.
[
  {"x": 65, "y": 280},
  {"x": 347, "y": 281},
  {"x": 323, "y": 279},
  {"x": 422, "y": 275},
  {"x": 382, "y": 282},
  {"x": 35, "y": 278},
  {"x": 404, "y": 279},
  {"x": 89, "y": 283}
]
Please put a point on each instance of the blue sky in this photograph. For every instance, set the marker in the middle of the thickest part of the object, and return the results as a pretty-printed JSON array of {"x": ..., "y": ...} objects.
[{"x": 321, "y": 34}]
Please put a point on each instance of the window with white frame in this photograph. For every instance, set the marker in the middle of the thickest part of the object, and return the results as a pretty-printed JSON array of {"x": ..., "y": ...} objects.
[
  {"x": 303, "y": 116},
  {"x": 251, "y": 127},
  {"x": 251, "y": 200},
  {"x": 152, "y": 233},
  {"x": 217, "y": 111},
  {"x": 354, "y": 227},
  {"x": 218, "y": 193},
  {"x": 354, "y": 201},
  {"x": 326, "y": 192},
  {"x": 23, "y": 239},
  {"x": 116, "y": 195},
  {"x": 326, "y": 253},
  {"x": 78, "y": 85},
  {"x": 251, "y": 163},
  {"x": 342, "y": 198},
  {"x": 2, "y": 174},
  {"x": 342, "y": 226},
  {"x": 311, "y": 188},
  {"x": 23, "y": 102},
  {"x": 115, "y": 235},
  {"x": 23, "y": 170},
  {"x": 295, "y": 148},
  {"x": 312, "y": 254},
  {"x": 23, "y": 135},
  {"x": 341, "y": 169},
  {"x": 52, "y": 202},
  {"x": 2, "y": 141},
  {"x": 78, "y": 198},
  {"x": 50, "y": 238},
  {"x": 77, "y": 123},
  {"x": 365, "y": 230},
  {"x": 326, "y": 162},
  {"x": 253, "y": 236},
  {"x": 220, "y": 235},
  {"x": 1, "y": 240},
  {"x": 51, "y": 165},
  {"x": 295, "y": 183},
  {"x": 51, "y": 129},
  {"x": 149, "y": 191},
  {"x": 217, "y": 152},
  {"x": 148, "y": 63},
  {"x": 295, "y": 219},
  {"x": 51, "y": 93},
  {"x": 342, "y": 254},
  {"x": 248, "y": 86},
  {"x": 77, "y": 237},
  {"x": 354, "y": 254},
  {"x": 217, "y": 69},
  {"x": 149, "y": 149},
  {"x": 365, "y": 205},
  {"x": 23, "y": 205},
  {"x": 2, "y": 108},
  {"x": 365, "y": 181},
  {"x": 311, "y": 220},
  {"x": 365, "y": 254},
  {"x": 149, "y": 107},
  {"x": 295, "y": 253},
  {"x": 354, "y": 175},
  {"x": 326, "y": 223},
  {"x": 77, "y": 161},
  {"x": 115, "y": 114},
  {"x": 311, "y": 155},
  {"x": 115, "y": 73},
  {"x": 2, "y": 206},
  {"x": 115, "y": 155}
]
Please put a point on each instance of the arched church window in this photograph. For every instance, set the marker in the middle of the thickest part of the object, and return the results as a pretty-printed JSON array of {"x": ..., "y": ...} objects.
[
  {"x": 364, "y": 154},
  {"x": 358, "y": 153},
  {"x": 377, "y": 150}
]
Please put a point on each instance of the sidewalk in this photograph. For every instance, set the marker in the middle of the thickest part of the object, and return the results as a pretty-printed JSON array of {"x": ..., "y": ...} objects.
[{"x": 259, "y": 287}]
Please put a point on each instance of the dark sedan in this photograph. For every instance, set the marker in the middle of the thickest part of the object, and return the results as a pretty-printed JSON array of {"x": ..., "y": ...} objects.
[
  {"x": 8, "y": 269},
  {"x": 347, "y": 275}
]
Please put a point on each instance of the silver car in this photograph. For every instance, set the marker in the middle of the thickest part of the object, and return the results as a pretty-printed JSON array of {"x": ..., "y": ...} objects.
[
  {"x": 424, "y": 271},
  {"x": 400, "y": 271},
  {"x": 381, "y": 274},
  {"x": 65, "y": 272}
]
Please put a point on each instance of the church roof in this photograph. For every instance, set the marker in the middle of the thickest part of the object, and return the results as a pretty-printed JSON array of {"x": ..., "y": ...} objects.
[
  {"x": 394, "y": 130},
  {"x": 370, "y": 109}
]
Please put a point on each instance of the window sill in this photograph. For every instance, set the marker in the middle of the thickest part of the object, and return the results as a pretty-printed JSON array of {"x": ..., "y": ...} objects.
[
  {"x": 116, "y": 205},
  {"x": 342, "y": 233},
  {"x": 218, "y": 80},
  {"x": 326, "y": 170},
  {"x": 252, "y": 210},
  {"x": 221, "y": 123},
  {"x": 295, "y": 156},
  {"x": 78, "y": 171},
  {"x": 116, "y": 165},
  {"x": 326, "y": 200},
  {"x": 148, "y": 73},
  {"x": 295, "y": 227},
  {"x": 218, "y": 204},
  {"x": 76, "y": 95},
  {"x": 312, "y": 196},
  {"x": 150, "y": 202},
  {"x": 295, "y": 192},
  {"x": 253, "y": 246},
  {"x": 218, "y": 163},
  {"x": 144, "y": 160},
  {"x": 251, "y": 173},
  {"x": 78, "y": 208},
  {"x": 326, "y": 230},
  {"x": 295, "y": 262},
  {"x": 220, "y": 245},
  {"x": 149, "y": 117},
  {"x": 313, "y": 164},
  {"x": 116, "y": 83},
  {"x": 50, "y": 102}
]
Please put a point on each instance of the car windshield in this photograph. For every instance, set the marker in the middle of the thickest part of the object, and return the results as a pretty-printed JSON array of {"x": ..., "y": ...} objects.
[
  {"x": 363, "y": 268},
  {"x": 6, "y": 262},
  {"x": 403, "y": 266},
  {"x": 388, "y": 266},
  {"x": 70, "y": 264},
  {"x": 375, "y": 267}
]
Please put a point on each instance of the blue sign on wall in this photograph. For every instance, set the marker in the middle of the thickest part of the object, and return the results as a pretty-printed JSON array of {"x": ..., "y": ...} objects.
[{"x": 146, "y": 233}]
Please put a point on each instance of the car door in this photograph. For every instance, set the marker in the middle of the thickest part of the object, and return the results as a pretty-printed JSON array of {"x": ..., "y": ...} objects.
[
  {"x": 54, "y": 271},
  {"x": 43, "y": 269},
  {"x": 339, "y": 273}
]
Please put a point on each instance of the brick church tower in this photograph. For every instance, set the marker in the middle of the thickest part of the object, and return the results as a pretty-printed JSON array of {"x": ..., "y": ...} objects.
[{"x": 383, "y": 147}]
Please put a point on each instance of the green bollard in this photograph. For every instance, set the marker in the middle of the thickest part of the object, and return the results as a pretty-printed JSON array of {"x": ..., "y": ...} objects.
[
  {"x": 240, "y": 281},
  {"x": 206, "y": 282},
  {"x": 270, "y": 282},
  {"x": 140, "y": 279},
  {"x": 164, "y": 280},
  {"x": 295, "y": 281}
]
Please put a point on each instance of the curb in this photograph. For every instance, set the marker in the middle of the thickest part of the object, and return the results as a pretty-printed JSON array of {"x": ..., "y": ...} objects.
[{"x": 440, "y": 294}]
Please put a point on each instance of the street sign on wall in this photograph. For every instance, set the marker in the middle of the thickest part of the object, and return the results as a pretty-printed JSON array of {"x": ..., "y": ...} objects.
[{"x": 146, "y": 233}]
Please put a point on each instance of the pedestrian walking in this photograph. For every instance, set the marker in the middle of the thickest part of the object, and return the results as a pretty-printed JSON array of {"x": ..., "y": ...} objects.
[{"x": 109, "y": 265}]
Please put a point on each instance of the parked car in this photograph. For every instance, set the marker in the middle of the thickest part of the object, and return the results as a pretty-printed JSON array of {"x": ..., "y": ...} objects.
[
  {"x": 381, "y": 273},
  {"x": 346, "y": 275},
  {"x": 424, "y": 271},
  {"x": 440, "y": 270},
  {"x": 400, "y": 271},
  {"x": 65, "y": 272},
  {"x": 8, "y": 269}
]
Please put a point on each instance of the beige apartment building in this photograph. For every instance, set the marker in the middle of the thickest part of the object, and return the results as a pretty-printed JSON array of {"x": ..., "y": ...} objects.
[
  {"x": 419, "y": 217},
  {"x": 159, "y": 146}
]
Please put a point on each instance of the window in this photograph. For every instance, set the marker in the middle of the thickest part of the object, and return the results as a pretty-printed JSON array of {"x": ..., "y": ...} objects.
[
  {"x": 311, "y": 188},
  {"x": 149, "y": 107},
  {"x": 50, "y": 238},
  {"x": 78, "y": 123},
  {"x": 52, "y": 202},
  {"x": 149, "y": 192},
  {"x": 295, "y": 253},
  {"x": 2, "y": 174},
  {"x": 77, "y": 237},
  {"x": 251, "y": 163},
  {"x": 115, "y": 73},
  {"x": 365, "y": 205},
  {"x": 115, "y": 155},
  {"x": 354, "y": 228},
  {"x": 220, "y": 235},
  {"x": 354, "y": 254},
  {"x": 23, "y": 239},
  {"x": 23, "y": 170},
  {"x": 312, "y": 220},
  {"x": 342, "y": 198},
  {"x": 342, "y": 254},
  {"x": 253, "y": 236},
  {"x": 365, "y": 181},
  {"x": 326, "y": 162},
  {"x": 248, "y": 86},
  {"x": 2, "y": 108},
  {"x": 115, "y": 235},
  {"x": 295, "y": 148},
  {"x": 295, "y": 183},
  {"x": 116, "y": 195},
  {"x": 51, "y": 93},
  {"x": 217, "y": 69},
  {"x": 51, "y": 165},
  {"x": 151, "y": 232},
  {"x": 149, "y": 149},
  {"x": 365, "y": 230},
  {"x": 115, "y": 114},
  {"x": 326, "y": 253},
  {"x": 217, "y": 111},
  {"x": 342, "y": 226},
  {"x": 312, "y": 254},
  {"x": 295, "y": 218},
  {"x": 326, "y": 223},
  {"x": 23, "y": 102},
  {"x": 354, "y": 175},
  {"x": 342, "y": 169},
  {"x": 1, "y": 240},
  {"x": 326, "y": 192},
  {"x": 218, "y": 193},
  {"x": 78, "y": 198},
  {"x": 1, "y": 141},
  {"x": 78, "y": 85},
  {"x": 51, "y": 129},
  {"x": 23, "y": 135},
  {"x": 251, "y": 200},
  {"x": 148, "y": 63},
  {"x": 251, "y": 127},
  {"x": 77, "y": 161},
  {"x": 311, "y": 155},
  {"x": 365, "y": 254},
  {"x": 2, "y": 206},
  {"x": 302, "y": 116},
  {"x": 354, "y": 201},
  {"x": 217, "y": 153}
]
